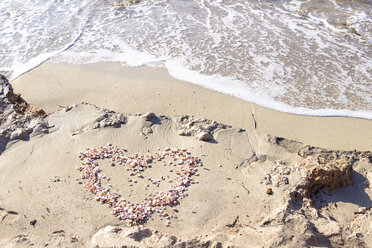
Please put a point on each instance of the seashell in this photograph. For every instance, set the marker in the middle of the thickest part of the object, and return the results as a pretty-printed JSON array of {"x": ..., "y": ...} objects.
[
  {"x": 158, "y": 201},
  {"x": 133, "y": 164}
]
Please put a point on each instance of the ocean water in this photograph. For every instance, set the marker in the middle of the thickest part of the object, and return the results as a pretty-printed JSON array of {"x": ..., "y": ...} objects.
[{"x": 302, "y": 56}]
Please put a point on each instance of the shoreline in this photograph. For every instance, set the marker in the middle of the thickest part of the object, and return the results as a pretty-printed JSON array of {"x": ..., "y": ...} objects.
[{"x": 54, "y": 85}]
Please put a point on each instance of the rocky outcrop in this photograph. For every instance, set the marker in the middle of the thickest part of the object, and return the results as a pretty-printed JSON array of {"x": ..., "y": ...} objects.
[
  {"x": 318, "y": 172},
  {"x": 17, "y": 118},
  {"x": 201, "y": 128},
  {"x": 109, "y": 119},
  {"x": 17, "y": 103},
  {"x": 106, "y": 119}
]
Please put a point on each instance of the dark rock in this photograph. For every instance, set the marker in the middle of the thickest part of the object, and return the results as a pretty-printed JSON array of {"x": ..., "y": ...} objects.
[{"x": 150, "y": 116}]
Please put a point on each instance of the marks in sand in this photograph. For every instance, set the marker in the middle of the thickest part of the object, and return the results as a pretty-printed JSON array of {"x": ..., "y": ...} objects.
[{"x": 8, "y": 217}]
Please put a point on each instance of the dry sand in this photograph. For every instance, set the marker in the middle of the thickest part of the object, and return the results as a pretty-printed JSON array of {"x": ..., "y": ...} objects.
[{"x": 320, "y": 197}]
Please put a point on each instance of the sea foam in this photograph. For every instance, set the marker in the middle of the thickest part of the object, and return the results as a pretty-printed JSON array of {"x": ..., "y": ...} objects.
[{"x": 292, "y": 57}]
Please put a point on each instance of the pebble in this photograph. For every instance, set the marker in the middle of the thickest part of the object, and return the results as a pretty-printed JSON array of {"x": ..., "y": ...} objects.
[
  {"x": 33, "y": 223},
  {"x": 269, "y": 191},
  {"x": 150, "y": 116},
  {"x": 205, "y": 136}
]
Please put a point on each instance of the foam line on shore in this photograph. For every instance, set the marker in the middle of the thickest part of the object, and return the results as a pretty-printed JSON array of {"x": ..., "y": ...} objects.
[
  {"x": 214, "y": 82},
  {"x": 240, "y": 90}
]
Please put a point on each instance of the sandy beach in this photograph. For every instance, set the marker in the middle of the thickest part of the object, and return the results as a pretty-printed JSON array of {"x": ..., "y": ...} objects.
[
  {"x": 143, "y": 89},
  {"x": 267, "y": 178}
]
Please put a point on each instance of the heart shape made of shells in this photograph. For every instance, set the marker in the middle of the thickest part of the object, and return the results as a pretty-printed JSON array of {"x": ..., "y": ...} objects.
[{"x": 154, "y": 203}]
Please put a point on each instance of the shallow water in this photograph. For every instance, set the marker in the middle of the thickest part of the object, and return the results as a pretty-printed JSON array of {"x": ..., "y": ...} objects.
[{"x": 307, "y": 57}]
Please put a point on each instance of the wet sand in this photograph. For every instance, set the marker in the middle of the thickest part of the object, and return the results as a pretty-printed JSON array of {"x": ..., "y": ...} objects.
[{"x": 143, "y": 89}]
